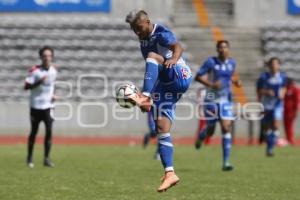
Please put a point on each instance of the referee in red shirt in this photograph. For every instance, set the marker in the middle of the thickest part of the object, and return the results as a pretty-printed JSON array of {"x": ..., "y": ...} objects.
[{"x": 291, "y": 105}]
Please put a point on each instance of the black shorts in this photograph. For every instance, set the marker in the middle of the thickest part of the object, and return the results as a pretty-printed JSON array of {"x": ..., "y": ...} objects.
[{"x": 38, "y": 115}]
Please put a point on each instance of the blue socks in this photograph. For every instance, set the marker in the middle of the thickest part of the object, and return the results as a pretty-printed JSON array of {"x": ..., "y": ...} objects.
[
  {"x": 271, "y": 140},
  {"x": 226, "y": 145},
  {"x": 165, "y": 149},
  {"x": 151, "y": 75}
]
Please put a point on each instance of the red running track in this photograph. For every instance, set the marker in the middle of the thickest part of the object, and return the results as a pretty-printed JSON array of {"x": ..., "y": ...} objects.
[{"x": 109, "y": 140}]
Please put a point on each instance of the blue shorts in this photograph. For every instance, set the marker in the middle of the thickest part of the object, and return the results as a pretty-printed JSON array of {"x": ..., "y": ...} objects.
[
  {"x": 274, "y": 114},
  {"x": 218, "y": 111},
  {"x": 166, "y": 94}
]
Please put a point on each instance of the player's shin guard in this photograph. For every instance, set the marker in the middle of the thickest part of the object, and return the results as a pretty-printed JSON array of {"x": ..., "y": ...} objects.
[
  {"x": 271, "y": 140},
  {"x": 165, "y": 149},
  {"x": 226, "y": 145}
]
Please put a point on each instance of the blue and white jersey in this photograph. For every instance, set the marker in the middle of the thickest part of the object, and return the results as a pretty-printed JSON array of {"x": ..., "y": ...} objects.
[
  {"x": 218, "y": 71},
  {"x": 159, "y": 42},
  {"x": 274, "y": 82}
]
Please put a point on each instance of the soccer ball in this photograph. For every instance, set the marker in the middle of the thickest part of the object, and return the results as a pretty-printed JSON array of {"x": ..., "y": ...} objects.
[{"x": 122, "y": 94}]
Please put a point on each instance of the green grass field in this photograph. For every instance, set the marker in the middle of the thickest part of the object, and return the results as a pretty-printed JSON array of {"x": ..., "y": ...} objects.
[{"x": 122, "y": 172}]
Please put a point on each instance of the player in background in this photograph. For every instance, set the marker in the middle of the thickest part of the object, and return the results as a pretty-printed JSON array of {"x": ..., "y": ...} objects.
[
  {"x": 152, "y": 130},
  {"x": 272, "y": 88},
  {"x": 151, "y": 134},
  {"x": 40, "y": 81},
  {"x": 201, "y": 93},
  {"x": 291, "y": 107},
  {"x": 218, "y": 101},
  {"x": 166, "y": 78}
]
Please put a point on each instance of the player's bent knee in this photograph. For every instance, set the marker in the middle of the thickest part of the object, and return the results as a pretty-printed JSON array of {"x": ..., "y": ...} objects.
[
  {"x": 152, "y": 55},
  {"x": 156, "y": 57},
  {"x": 163, "y": 125}
]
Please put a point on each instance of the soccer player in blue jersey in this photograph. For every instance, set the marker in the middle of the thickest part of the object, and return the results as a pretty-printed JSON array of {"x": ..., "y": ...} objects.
[
  {"x": 166, "y": 78},
  {"x": 218, "y": 102},
  {"x": 152, "y": 130},
  {"x": 272, "y": 88}
]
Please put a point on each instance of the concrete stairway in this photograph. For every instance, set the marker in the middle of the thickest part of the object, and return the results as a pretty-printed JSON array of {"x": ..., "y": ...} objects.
[
  {"x": 245, "y": 43},
  {"x": 220, "y": 12}
]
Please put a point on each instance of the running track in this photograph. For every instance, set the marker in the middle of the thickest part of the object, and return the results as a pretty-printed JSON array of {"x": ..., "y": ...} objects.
[{"x": 108, "y": 140}]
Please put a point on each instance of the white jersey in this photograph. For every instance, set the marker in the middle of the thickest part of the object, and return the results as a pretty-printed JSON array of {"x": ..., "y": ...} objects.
[{"x": 41, "y": 96}]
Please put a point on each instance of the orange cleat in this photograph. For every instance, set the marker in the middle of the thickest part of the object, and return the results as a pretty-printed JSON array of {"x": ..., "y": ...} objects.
[
  {"x": 144, "y": 102},
  {"x": 168, "y": 180}
]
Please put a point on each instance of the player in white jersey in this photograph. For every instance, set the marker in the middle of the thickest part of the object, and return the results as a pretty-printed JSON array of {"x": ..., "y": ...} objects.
[{"x": 40, "y": 81}]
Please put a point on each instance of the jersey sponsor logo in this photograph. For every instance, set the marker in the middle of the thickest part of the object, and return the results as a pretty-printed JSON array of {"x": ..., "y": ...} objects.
[
  {"x": 275, "y": 80},
  {"x": 230, "y": 67},
  {"x": 186, "y": 73},
  {"x": 144, "y": 43},
  {"x": 151, "y": 40},
  {"x": 224, "y": 67}
]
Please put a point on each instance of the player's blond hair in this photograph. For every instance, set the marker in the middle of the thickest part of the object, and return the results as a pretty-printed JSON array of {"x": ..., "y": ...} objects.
[{"x": 134, "y": 15}]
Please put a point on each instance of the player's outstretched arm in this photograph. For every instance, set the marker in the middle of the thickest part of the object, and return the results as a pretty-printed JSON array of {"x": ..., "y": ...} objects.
[
  {"x": 214, "y": 85},
  {"x": 282, "y": 93},
  {"x": 204, "y": 70},
  {"x": 235, "y": 81},
  {"x": 266, "y": 92}
]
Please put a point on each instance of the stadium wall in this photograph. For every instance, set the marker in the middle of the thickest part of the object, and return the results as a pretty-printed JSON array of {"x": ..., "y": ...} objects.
[
  {"x": 90, "y": 119},
  {"x": 102, "y": 119},
  {"x": 256, "y": 13}
]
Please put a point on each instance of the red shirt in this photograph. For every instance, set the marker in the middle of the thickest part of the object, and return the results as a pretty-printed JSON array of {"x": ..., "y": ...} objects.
[{"x": 291, "y": 100}]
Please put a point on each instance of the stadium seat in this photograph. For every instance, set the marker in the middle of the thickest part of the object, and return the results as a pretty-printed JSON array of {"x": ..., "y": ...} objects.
[{"x": 282, "y": 40}]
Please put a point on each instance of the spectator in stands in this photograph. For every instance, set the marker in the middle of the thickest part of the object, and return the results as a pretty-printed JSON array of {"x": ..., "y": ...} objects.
[
  {"x": 40, "y": 81},
  {"x": 291, "y": 105}
]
